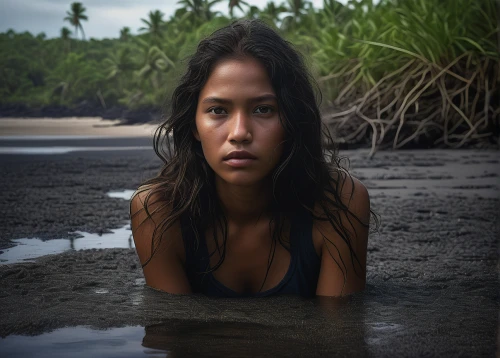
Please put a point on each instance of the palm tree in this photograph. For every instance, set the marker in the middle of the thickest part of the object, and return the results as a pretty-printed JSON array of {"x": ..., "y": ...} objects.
[
  {"x": 201, "y": 9},
  {"x": 155, "y": 24},
  {"x": 124, "y": 33},
  {"x": 118, "y": 67},
  {"x": 296, "y": 10},
  {"x": 67, "y": 77},
  {"x": 237, "y": 3},
  {"x": 66, "y": 37},
  {"x": 272, "y": 11},
  {"x": 41, "y": 36},
  {"x": 75, "y": 17},
  {"x": 10, "y": 33},
  {"x": 65, "y": 33},
  {"x": 118, "y": 63},
  {"x": 253, "y": 12}
]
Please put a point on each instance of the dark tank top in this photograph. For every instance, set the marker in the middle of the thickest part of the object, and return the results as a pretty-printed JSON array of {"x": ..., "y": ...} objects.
[{"x": 300, "y": 279}]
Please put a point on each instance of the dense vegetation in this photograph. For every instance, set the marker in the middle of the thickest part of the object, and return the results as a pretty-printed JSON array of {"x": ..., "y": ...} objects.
[{"x": 395, "y": 73}]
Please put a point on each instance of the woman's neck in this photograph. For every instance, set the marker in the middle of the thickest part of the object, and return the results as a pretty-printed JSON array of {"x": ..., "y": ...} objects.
[{"x": 244, "y": 204}]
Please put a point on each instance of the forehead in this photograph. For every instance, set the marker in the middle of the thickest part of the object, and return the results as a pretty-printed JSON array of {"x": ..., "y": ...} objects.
[{"x": 234, "y": 77}]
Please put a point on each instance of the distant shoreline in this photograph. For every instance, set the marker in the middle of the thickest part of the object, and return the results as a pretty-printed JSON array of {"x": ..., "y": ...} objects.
[
  {"x": 73, "y": 126},
  {"x": 19, "y": 120},
  {"x": 85, "y": 109}
]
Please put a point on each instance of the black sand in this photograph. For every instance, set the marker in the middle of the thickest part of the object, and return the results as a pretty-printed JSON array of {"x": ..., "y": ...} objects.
[{"x": 432, "y": 270}]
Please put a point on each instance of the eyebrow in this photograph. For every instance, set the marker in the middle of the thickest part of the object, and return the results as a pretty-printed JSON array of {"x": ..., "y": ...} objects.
[{"x": 263, "y": 98}]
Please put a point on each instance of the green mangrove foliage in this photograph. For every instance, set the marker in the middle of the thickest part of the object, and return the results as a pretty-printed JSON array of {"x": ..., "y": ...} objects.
[
  {"x": 406, "y": 72},
  {"x": 393, "y": 74}
]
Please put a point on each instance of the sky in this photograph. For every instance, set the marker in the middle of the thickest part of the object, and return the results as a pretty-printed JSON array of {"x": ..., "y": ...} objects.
[{"x": 106, "y": 17}]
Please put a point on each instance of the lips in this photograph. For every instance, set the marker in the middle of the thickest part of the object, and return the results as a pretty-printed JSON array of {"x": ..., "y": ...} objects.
[
  {"x": 240, "y": 159},
  {"x": 239, "y": 154}
]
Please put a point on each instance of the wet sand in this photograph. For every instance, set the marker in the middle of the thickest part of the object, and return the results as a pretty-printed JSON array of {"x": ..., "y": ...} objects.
[
  {"x": 74, "y": 126},
  {"x": 432, "y": 269}
]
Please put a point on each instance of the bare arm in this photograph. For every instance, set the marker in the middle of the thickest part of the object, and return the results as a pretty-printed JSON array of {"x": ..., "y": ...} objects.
[
  {"x": 336, "y": 262},
  {"x": 165, "y": 270}
]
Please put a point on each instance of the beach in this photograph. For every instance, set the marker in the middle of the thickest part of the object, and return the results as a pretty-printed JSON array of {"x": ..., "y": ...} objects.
[
  {"x": 74, "y": 126},
  {"x": 432, "y": 281}
]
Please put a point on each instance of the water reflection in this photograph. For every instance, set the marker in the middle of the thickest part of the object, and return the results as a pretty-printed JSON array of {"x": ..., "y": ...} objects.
[
  {"x": 332, "y": 327},
  {"x": 386, "y": 320},
  {"x": 77, "y": 342},
  {"x": 29, "y": 249}
]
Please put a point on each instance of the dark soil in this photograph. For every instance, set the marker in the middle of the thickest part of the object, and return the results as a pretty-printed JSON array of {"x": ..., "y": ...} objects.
[{"x": 432, "y": 269}]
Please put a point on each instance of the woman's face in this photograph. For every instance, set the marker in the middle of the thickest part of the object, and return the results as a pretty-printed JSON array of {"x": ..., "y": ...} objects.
[{"x": 237, "y": 122}]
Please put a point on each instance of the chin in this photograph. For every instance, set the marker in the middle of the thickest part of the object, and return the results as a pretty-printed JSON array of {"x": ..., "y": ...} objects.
[{"x": 242, "y": 179}]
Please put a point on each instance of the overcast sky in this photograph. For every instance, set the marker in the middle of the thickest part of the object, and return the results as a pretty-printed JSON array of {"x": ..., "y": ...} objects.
[{"x": 106, "y": 17}]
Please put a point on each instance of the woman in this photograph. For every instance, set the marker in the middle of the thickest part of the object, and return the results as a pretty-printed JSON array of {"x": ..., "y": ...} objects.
[{"x": 246, "y": 203}]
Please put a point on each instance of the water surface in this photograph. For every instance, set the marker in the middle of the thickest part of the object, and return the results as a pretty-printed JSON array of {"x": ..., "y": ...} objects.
[{"x": 28, "y": 249}]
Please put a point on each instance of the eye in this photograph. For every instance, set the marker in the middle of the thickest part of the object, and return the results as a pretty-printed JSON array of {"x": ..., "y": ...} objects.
[
  {"x": 263, "y": 110},
  {"x": 217, "y": 110}
]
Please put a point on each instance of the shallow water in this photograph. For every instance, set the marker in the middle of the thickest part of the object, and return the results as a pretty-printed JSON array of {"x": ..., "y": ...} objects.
[
  {"x": 384, "y": 321},
  {"x": 78, "y": 342},
  {"x": 315, "y": 333},
  {"x": 30, "y": 249},
  {"x": 64, "y": 144},
  {"x": 62, "y": 150},
  {"x": 28, "y": 138}
]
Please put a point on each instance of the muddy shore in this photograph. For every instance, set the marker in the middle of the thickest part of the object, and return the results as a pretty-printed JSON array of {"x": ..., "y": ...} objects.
[
  {"x": 432, "y": 269},
  {"x": 144, "y": 114}
]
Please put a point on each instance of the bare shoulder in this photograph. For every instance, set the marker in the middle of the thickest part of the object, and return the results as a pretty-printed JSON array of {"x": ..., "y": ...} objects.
[
  {"x": 160, "y": 248},
  {"x": 355, "y": 197},
  {"x": 343, "y": 246}
]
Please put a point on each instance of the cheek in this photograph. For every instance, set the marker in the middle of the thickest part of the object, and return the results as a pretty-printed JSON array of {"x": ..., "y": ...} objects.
[
  {"x": 209, "y": 138},
  {"x": 276, "y": 136}
]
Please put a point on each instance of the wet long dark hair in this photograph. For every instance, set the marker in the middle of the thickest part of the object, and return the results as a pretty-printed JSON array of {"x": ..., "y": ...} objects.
[{"x": 308, "y": 173}]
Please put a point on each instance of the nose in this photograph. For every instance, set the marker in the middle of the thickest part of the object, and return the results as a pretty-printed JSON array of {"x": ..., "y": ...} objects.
[{"x": 240, "y": 128}]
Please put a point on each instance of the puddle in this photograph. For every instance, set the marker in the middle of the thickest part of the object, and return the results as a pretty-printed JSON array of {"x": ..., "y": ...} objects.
[
  {"x": 29, "y": 249},
  {"x": 124, "y": 194},
  {"x": 187, "y": 338},
  {"x": 79, "y": 342},
  {"x": 62, "y": 150}
]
